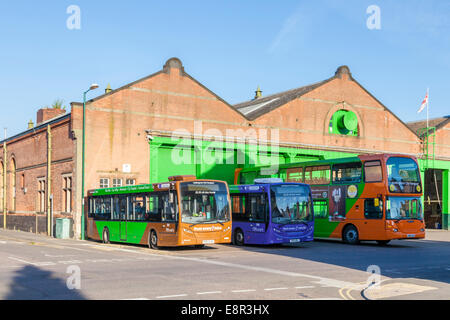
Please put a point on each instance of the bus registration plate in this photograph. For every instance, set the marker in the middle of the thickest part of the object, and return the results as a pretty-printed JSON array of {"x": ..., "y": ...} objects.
[
  {"x": 411, "y": 235},
  {"x": 208, "y": 241},
  {"x": 295, "y": 240}
]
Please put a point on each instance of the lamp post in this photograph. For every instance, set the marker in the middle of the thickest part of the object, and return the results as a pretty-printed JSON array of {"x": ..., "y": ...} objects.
[{"x": 93, "y": 87}]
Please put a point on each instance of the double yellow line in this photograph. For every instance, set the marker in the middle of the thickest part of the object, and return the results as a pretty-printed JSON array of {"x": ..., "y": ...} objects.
[{"x": 345, "y": 292}]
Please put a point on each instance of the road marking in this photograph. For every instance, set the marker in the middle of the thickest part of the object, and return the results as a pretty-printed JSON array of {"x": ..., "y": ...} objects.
[
  {"x": 70, "y": 262},
  {"x": 2, "y": 242},
  {"x": 211, "y": 292},
  {"x": 275, "y": 289},
  {"x": 135, "y": 299},
  {"x": 43, "y": 264},
  {"x": 324, "y": 282},
  {"x": 21, "y": 260},
  {"x": 59, "y": 256},
  {"x": 395, "y": 289},
  {"x": 305, "y": 287},
  {"x": 243, "y": 291},
  {"x": 173, "y": 296}
]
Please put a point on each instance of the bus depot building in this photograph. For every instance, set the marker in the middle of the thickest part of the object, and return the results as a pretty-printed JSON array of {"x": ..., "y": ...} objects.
[{"x": 170, "y": 124}]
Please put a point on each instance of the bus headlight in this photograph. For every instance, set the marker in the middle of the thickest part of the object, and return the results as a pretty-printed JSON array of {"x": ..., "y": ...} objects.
[
  {"x": 395, "y": 230},
  {"x": 422, "y": 230}
]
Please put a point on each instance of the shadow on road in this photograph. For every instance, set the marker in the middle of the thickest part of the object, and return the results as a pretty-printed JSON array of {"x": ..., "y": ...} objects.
[
  {"x": 32, "y": 283},
  {"x": 427, "y": 260}
]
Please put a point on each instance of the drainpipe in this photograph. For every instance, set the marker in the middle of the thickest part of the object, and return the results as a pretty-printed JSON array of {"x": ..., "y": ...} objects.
[
  {"x": 49, "y": 179},
  {"x": 4, "y": 183}
]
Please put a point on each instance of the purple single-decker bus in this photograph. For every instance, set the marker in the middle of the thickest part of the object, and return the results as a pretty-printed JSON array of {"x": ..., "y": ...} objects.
[{"x": 272, "y": 213}]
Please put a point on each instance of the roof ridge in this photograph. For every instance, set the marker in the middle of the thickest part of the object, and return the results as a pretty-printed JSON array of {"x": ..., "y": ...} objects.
[{"x": 275, "y": 95}]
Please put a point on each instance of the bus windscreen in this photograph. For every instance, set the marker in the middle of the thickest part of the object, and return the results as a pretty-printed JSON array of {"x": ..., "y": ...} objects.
[
  {"x": 290, "y": 204},
  {"x": 403, "y": 175},
  {"x": 204, "y": 202}
]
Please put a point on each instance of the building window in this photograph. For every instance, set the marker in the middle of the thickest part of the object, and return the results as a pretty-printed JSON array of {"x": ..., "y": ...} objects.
[
  {"x": 117, "y": 183},
  {"x": 131, "y": 182},
  {"x": 41, "y": 195},
  {"x": 104, "y": 183},
  {"x": 1, "y": 187},
  {"x": 67, "y": 194}
]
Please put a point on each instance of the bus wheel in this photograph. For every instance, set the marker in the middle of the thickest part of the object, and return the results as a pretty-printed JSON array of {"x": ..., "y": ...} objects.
[
  {"x": 239, "y": 237},
  {"x": 106, "y": 236},
  {"x": 153, "y": 240},
  {"x": 383, "y": 242},
  {"x": 350, "y": 235}
]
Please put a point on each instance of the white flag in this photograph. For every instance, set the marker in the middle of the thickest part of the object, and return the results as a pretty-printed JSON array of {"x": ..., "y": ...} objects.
[{"x": 424, "y": 104}]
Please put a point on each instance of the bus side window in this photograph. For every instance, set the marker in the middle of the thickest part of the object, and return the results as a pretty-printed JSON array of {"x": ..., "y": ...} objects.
[
  {"x": 152, "y": 208},
  {"x": 320, "y": 209},
  {"x": 91, "y": 207},
  {"x": 169, "y": 206},
  {"x": 373, "y": 209},
  {"x": 257, "y": 205},
  {"x": 240, "y": 212}
]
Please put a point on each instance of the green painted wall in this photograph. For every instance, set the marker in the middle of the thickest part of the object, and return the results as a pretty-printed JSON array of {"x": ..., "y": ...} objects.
[{"x": 445, "y": 166}]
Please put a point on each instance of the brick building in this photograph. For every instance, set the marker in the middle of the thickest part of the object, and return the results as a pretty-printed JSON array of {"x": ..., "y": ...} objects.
[{"x": 169, "y": 123}]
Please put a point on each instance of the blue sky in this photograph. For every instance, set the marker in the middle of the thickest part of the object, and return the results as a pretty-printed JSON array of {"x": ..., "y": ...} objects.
[{"x": 230, "y": 46}]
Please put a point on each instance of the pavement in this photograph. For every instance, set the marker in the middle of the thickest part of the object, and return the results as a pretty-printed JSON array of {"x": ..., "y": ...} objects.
[{"x": 39, "y": 268}]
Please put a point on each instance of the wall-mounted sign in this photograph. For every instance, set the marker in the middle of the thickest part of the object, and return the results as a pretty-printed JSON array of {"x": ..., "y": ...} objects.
[{"x": 126, "y": 168}]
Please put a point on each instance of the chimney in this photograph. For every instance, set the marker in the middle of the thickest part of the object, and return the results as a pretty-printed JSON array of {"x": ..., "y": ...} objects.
[
  {"x": 258, "y": 93},
  {"x": 108, "y": 89},
  {"x": 47, "y": 114}
]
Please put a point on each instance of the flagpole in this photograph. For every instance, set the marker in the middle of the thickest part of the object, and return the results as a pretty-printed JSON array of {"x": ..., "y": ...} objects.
[{"x": 428, "y": 104}]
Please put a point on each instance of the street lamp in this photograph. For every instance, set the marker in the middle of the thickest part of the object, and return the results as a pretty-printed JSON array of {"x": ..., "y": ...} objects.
[{"x": 92, "y": 87}]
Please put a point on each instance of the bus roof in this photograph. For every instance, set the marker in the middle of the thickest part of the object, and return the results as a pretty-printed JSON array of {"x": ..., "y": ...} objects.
[
  {"x": 261, "y": 186},
  {"x": 122, "y": 190},
  {"x": 359, "y": 158},
  {"x": 144, "y": 188}
]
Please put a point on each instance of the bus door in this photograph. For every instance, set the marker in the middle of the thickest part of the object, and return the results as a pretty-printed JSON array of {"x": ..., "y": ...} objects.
[
  {"x": 120, "y": 211},
  {"x": 169, "y": 215},
  {"x": 373, "y": 227},
  {"x": 258, "y": 207}
]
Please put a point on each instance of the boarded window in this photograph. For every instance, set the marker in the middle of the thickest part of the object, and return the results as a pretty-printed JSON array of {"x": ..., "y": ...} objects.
[{"x": 372, "y": 171}]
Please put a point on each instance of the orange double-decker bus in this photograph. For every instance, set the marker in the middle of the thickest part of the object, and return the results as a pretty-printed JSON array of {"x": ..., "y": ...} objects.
[
  {"x": 367, "y": 197},
  {"x": 182, "y": 212}
]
